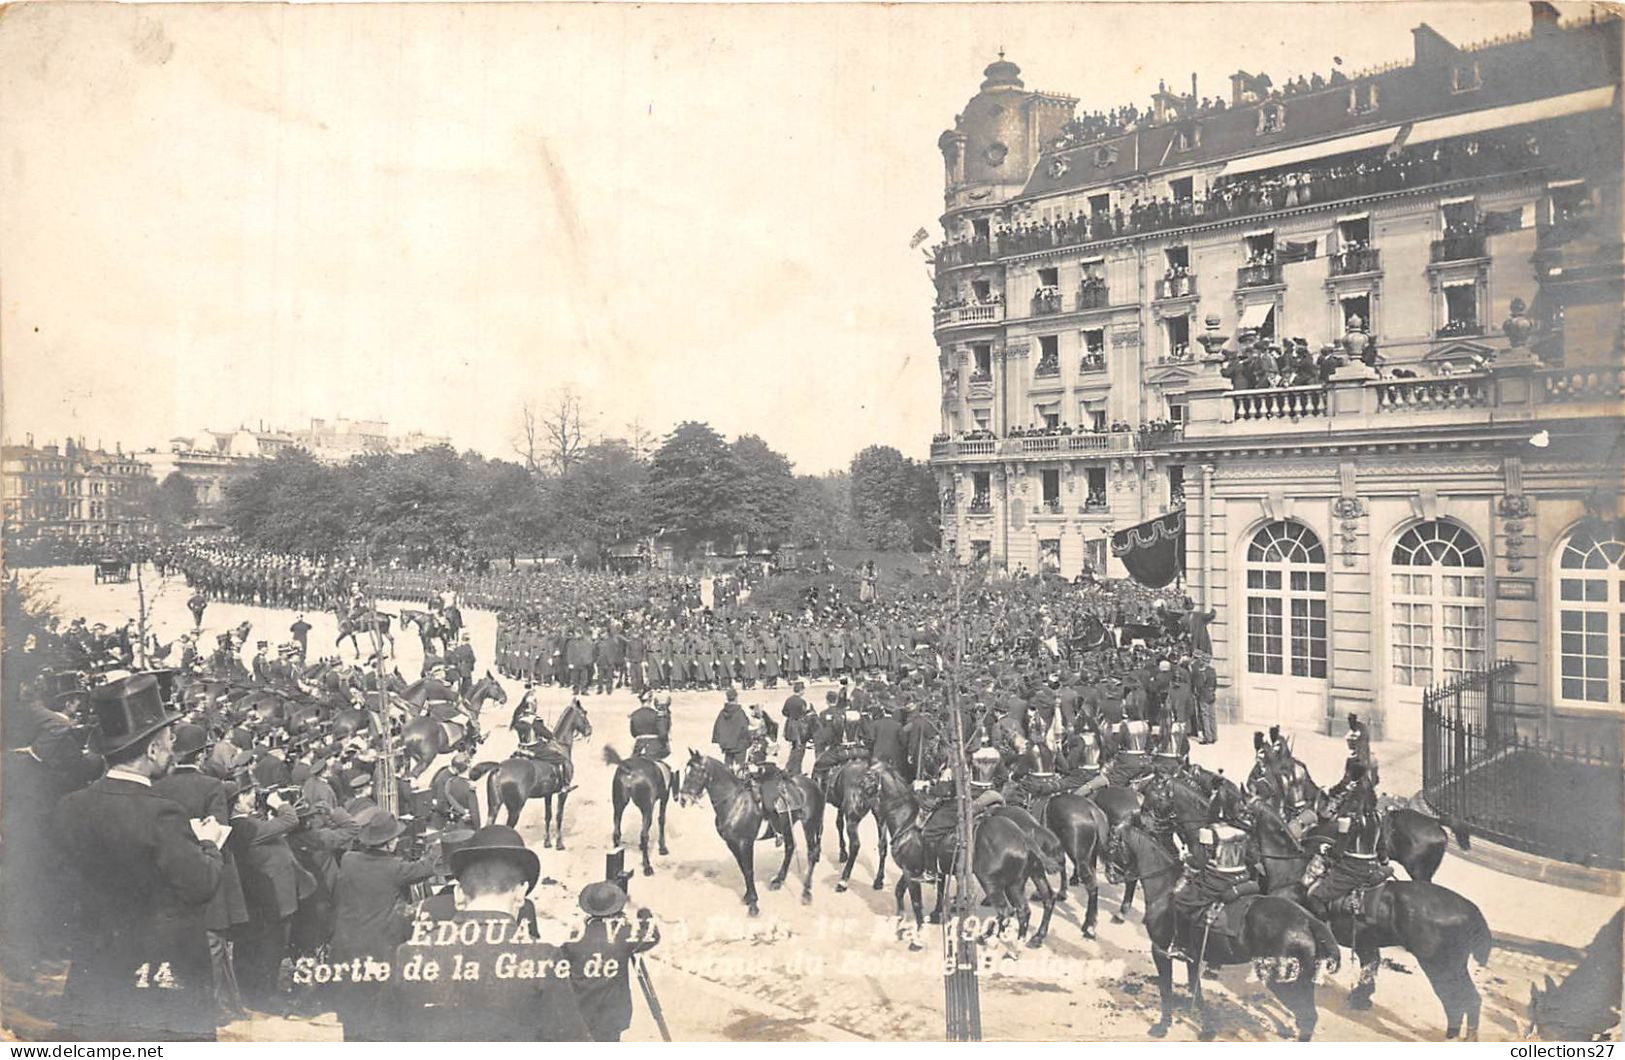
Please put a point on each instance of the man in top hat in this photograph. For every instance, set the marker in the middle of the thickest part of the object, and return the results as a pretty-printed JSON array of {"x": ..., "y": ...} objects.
[
  {"x": 301, "y": 631},
  {"x": 798, "y": 728},
  {"x": 368, "y": 918},
  {"x": 601, "y": 960},
  {"x": 204, "y": 796},
  {"x": 261, "y": 663},
  {"x": 495, "y": 871},
  {"x": 141, "y": 970}
]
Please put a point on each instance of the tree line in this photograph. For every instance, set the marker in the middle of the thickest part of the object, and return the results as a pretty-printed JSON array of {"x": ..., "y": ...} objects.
[{"x": 572, "y": 497}]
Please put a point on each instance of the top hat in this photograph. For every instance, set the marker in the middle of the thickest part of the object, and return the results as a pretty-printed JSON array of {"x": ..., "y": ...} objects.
[
  {"x": 128, "y": 711},
  {"x": 499, "y": 841},
  {"x": 602, "y": 899},
  {"x": 380, "y": 829}
]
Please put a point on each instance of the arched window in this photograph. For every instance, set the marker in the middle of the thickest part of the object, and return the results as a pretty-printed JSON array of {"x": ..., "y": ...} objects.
[
  {"x": 1437, "y": 613},
  {"x": 1591, "y": 616},
  {"x": 1286, "y": 601}
]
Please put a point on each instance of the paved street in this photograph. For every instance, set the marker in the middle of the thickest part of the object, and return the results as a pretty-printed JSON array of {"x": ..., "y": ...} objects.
[{"x": 833, "y": 969}]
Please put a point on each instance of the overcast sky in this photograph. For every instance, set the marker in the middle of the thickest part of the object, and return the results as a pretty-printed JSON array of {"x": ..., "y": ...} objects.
[{"x": 212, "y": 216}]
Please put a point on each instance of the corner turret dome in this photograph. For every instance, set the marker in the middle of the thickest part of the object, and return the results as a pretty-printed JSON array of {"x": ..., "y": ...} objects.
[{"x": 1002, "y": 74}]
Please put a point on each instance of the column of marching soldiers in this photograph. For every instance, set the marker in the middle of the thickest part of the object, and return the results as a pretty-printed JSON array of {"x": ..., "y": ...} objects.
[{"x": 224, "y": 847}]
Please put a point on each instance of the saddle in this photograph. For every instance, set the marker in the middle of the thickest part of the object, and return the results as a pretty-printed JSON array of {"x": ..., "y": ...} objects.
[
  {"x": 784, "y": 796},
  {"x": 1230, "y": 919}
]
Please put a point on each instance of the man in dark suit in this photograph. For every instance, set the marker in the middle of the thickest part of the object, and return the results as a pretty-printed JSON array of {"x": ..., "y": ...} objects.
[
  {"x": 601, "y": 960},
  {"x": 798, "y": 727},
  {"x": 202, "y": 795},
  {"x": 141, "y": 970},
  {"x": 369, "y": 918},
  {"x": 494, "y": 872},
  {"x": 272, "y": 885},
  {"x": 886, "y": 741}
]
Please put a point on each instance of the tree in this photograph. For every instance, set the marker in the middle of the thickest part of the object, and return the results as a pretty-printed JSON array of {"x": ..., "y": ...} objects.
[
  {"x": 894, "y": 499},
  {"x": 604, "y": 500},
  {"x": 562, "y": 434},
  {"x": 824, "y": 518},
  {"x": 694, "y": 485},
  {"x": 528, "y": 442},
  {"x": 766, "y": 509}
]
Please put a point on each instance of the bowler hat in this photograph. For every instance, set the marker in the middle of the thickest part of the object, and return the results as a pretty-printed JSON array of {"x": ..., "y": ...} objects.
[
  {"x": 128, "y": 711},
  {"x": 380, "y": 829},
  {"x": 190, "y": 739},
  {"x": 454, "y": 839},
  {"x": 497, "y": 841},
  {"x": 602, "y": 899}
]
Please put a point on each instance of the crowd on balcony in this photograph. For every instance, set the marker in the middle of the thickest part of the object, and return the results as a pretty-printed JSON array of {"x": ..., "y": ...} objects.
[
  {"x": 1260, "y": 363},
  {"x": 960, "y": 302},
  {"x": 1095, "y": 501},
  {"x": 1261, "y": 193},
  {"x": 1177, "y": 282},
  {"x": 1158, "y": 431},
  {"x": 1092, "y": 361},
  {"x": 1047, "y": 299}
]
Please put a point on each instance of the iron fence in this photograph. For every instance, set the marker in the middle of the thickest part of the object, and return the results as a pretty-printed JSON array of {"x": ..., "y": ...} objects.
[{"x": 1487, "y": 765}]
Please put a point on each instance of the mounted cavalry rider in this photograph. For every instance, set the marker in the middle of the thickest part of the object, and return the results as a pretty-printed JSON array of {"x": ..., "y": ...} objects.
[
  {"x": 1129, "y": 760},
  {"x": 1359, "y": 769},
  {"x": 1224, "y": 877},
  {"x": 528, "y": 724},
  {"x": 1335, "y": 881},
  {"x": 650, "y": 726},
  {"x": 1172, "y": 748}
]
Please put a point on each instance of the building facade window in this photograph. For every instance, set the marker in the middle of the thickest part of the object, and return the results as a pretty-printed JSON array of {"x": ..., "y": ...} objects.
[
  {"x": 1438, "y": 607},
  {"x": 1591, "y": 617},
  {"x": 1286, "y": 601},
  {"x": 1049, "y": 554}
]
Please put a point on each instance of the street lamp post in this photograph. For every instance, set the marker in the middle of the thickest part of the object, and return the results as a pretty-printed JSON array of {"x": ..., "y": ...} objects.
[{"x": 962, "y": 992}]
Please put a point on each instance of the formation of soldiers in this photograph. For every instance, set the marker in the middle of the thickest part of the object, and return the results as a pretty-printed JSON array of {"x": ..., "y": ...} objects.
[{"x": 236, "y": 574}]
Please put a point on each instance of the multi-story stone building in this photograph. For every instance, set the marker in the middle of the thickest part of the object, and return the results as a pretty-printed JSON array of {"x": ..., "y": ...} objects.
[
  {"x": 70, "y": 490},
  {"x": 1450, "y": 226}
]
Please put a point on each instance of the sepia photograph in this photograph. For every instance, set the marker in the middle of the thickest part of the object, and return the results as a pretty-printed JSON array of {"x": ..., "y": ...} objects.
[{"x": 812, "y": 522}]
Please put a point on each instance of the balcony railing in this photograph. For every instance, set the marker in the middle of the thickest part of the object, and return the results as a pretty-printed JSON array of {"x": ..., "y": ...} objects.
[
  {"x": 978, "y": 447},
  {"x": 1048, "y": 365},
  {"x": 978, "y": 313},
  {"x": 1088, "y": 443},
  {"x": 1041, "y": 443},
  {"x": 1095, "y": 503},
  {"x": 1355, "y": 262},
  {"x": 1451, "y": 392},
  {"x": 1258, "y": 275},
  {"x": 981, "y": 506},
  {"x": 1047, "y": 300},
  {"x": 966, "y": 253},
  {"x": 1093, "y": 295},
  {"x": 1456, "y": 329},
  {"x": 1459, "y": 248},
  {"x": 1050, "y": 506},
  {"x": 979, "y": 376},
  {"x": 941, "y": 448},
  {"x": 1092, "y": 361},
  {"x": 1563, "y": 385},
  {"x": 1283, "y": 403},
  {"x": 1176, "y": 287}
]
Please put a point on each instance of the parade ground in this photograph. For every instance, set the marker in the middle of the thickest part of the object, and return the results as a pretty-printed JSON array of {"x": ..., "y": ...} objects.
[{"x": 834, "y": 969}]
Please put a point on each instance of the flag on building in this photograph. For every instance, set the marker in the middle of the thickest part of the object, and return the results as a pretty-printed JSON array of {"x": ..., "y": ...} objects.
[
  {"x": 1498, "y": 221},
  {"x": 919, "y": 237},
  {"x": 1290, "y": 252},
  {"x": 1154, "y": 551}
]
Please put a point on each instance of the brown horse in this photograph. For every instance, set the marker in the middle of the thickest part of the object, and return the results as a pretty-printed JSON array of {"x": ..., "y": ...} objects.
[
  {"x": 739, "y": 819},
  {"x": 1284, "y": 944},
  {"x": 547, "y": 776},
  {"x": 425, "y": 739},
  {"x": 641, "y": 781}
]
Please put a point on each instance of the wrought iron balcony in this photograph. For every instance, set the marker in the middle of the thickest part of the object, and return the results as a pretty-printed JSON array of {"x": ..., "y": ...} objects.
[
  {"x": 1092, "y": 294},
  {"x": 1047, "y": 300},
  {"x": 1265, "y": 275},
  {"x": 981, "y": 505},
  {"x": 1354, "y": 262},
  {"x": 1176, "y": 287},
  {"x": 1093, "y": 361},
  {"x": 1463, "y": 247}
]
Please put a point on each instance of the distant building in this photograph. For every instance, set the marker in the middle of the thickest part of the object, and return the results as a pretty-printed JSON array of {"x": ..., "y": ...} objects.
[
  {"x": 70, "y": 490},
  {"x": 340, "y": 440}
]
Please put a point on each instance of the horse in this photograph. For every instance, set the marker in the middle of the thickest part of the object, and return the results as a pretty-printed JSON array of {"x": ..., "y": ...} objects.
[
  {"x": 1418, "y": 842},
  {"x": 349, "y": 721},
  {"x": 429, "y": 626},
  {"x": 641, "y": 781},
  {"x": 739, "y": 819},
  {"x": 1584, "y": 1007},
  {"x": 845, "y": 786},
  {"x": 515, "y": 780},
  {"x": 483, "y": 691},
  {"x": 363, "y": 620},
  {"x": 1081, "y": 827},
  {"x": 1284, "y": 944},
  {"x": 1439, "y": 927},
  {"x": 425, "y": 739},
  {"x": 1118, "y": 804}
]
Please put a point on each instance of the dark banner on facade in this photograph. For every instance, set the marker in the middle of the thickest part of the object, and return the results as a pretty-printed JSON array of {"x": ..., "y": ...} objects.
[{"x": 1153, "y": 552}]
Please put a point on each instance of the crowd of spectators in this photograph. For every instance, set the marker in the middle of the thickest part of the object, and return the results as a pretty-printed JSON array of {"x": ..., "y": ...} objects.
[{"x": 1370, "y": 173}]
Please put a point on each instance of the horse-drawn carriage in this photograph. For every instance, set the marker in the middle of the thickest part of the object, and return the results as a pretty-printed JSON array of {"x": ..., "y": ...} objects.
[{"x": 112, "y": 570}]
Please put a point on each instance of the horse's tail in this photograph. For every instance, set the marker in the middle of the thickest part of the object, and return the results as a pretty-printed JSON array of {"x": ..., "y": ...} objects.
[
  {"x": 612, "y": 757},
  {"x": 1458, "y": 828},
  {"x": 1480, "y": 941},
  {"x": 481, "y": 768},
  {"x": 1035, "y": 849}
]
